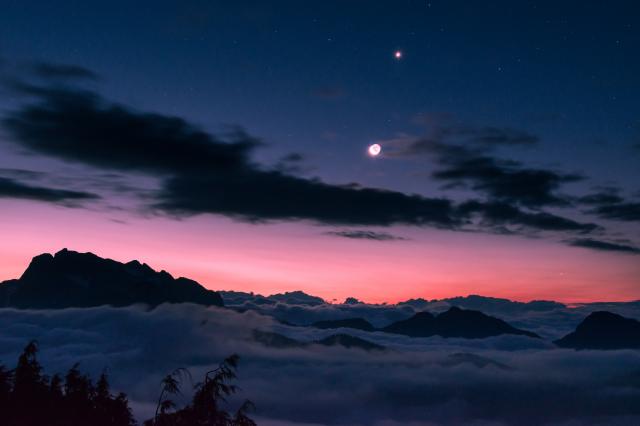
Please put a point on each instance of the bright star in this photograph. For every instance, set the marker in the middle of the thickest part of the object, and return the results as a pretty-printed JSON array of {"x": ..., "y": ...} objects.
[{"x": 397, "y": 54}]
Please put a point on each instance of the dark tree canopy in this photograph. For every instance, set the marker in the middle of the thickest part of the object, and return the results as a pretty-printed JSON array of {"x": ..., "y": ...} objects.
[
  {"x": 207, "y": 405},
  {"x": 30, "y": 398}
]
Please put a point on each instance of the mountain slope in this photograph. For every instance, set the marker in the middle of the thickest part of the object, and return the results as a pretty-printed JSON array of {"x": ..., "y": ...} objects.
[
  {"x": 455, "y": 322},
  {"x": 72, "y": 279},
  {"x": 279, "y": 341},
  {"x": 348, "y": 341},
  {"x": 356, "y": 323},
  {"x": 603, "y": 330}
]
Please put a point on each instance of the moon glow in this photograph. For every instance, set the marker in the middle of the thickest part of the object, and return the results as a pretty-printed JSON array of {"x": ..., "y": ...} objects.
[{"x": 374, "y": 150}]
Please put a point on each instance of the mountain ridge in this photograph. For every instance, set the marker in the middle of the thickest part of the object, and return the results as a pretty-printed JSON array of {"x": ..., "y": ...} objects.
[
  {"x": 455, "y": 322},
  {"x": 603, "y": 330},
  {"x": 73, "y": 279}
]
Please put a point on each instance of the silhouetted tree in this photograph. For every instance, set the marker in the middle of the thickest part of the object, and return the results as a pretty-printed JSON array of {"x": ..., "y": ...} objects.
[
  {"x": 6, "y": 381},
  {"x": 170, "y": 386},
  {"x": 30, "y": 388},
  {"x": 206, "y": 408},
  {"x": 29, "y": 398}
]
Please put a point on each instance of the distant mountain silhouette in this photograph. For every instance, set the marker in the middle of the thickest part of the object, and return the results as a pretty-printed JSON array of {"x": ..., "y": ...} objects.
[
  {"x": 348, "y": 341},
  {"x": 277, "y": 340},
  {"x": 297, "y": 298},
  {"x": 479, "y": 361},
  {"x": 484, "y": 303},
  {"x": 455, "y": 322},
  {"x": 291, "y": 298},
  {"x": 603, "y": 330},
  {"x": 357, "y": 323},
  {"x": 72, "y": 279}
]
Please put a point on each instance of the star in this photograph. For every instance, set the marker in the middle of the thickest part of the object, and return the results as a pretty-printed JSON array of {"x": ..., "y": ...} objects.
[{"x": 397, "y": 54}]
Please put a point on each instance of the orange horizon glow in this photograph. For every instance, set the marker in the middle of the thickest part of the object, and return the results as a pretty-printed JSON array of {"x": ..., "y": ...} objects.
[{"x": 225, "y": 255}]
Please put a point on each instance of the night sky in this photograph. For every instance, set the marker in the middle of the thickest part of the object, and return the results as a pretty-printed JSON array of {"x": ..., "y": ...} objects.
[{"x": 227, "y": 142}]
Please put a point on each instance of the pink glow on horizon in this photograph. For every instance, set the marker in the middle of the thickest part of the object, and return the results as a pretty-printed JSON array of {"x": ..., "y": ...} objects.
[{"x": 226, "y": 255}]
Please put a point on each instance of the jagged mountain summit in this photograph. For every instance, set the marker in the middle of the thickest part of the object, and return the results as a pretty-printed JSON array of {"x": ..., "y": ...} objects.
[
  {"x": 455, "y": 322},
  {"x": 603, "y": 330},
  {"x": 72, "y": 279}
]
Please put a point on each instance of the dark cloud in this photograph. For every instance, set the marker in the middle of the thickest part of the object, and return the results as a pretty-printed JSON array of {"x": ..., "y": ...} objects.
[
  {"x": 499, "y": 213},
  {"x": 601, "y": 198},
  {"x": 603, "y": 245},
  {"x": 79, "y": 126},
  {"x": 505, "y": 136},
  {"x": 470, "y": 164},
  {"x": 62, "y": 71},
  {"x": 628, "y": 211},
  {"x": 488, "y": 135},
  {"x": 22, "y": 173},
  {"x": 291, "y": 163},
  {"x": 11, "y": 188},
  {"x": 255, "y": 195},
  {"x": 444, "y": 128},
  {"x": 505, "y": 180},
  {"x": 366, "y": 235},
  {"x": 609, "y": 204},
  {"x": 201, "y": 172},
  {"x": 294, "y": 157}
]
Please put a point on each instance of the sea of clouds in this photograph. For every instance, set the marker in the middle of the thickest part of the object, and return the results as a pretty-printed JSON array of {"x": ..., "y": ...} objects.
[{"x": 427, "y": 381}]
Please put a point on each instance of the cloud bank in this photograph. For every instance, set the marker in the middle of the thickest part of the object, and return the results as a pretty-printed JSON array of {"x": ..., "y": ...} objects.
[{"x": 418, "y": 381}]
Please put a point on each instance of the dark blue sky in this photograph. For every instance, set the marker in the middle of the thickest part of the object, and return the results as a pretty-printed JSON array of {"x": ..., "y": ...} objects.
[{"x": 319, "y": 78}]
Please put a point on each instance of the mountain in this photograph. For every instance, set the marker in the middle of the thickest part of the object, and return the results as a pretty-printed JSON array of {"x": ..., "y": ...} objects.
[
  {"x": 357, "y": 323},
  {"x": 603, "y": 330},
  {"x": 496, "y": 304},
  {"x": 455, "y": 322},
  {"x": 348, "y": 341},
  {"x": 478, "y": 361},
  {"x": 72, "y": 279},
  {"x": 276, "y": 340},
  {"x": 483, "y": 303},
  {"x": 297, "y": 298},
  {"x": 279, "y": 341},
  {"x": 235, "y": 298}
]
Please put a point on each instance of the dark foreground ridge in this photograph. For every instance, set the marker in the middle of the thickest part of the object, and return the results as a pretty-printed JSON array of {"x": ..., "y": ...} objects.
[
  {"x": 455, "y": 322},
  {"x": 72, "y": 279},
  {"x": 603, "y": 330}
]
